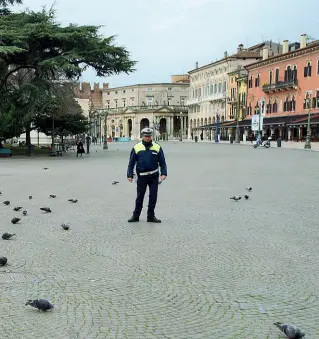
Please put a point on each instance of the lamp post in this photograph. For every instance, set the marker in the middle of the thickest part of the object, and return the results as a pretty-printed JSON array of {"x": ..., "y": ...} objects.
[
  {"x": 105, "y": 146},
  {"x": 237, "y": 137},
  {"x": 217, "y": 121},
  {"x": 181, "y": 129},
  {"x": 308, "y": 144}
]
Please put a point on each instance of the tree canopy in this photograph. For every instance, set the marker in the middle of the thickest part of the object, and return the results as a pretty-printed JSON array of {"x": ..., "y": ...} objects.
[{"x": 38, "y": 57}]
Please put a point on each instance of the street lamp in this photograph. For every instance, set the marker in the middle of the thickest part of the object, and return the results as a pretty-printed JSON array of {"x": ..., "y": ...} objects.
[
  {"x": 105, "y": 146},
  {"x": 237, "y": 137},
  {"x": 307, "y": 144},
  {"x": 217, "y": 121},
  {"x": 181, "y": 130}
]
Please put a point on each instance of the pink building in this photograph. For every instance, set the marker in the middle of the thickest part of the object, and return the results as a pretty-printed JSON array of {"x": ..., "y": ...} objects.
[{"x": 285, "y": 87}]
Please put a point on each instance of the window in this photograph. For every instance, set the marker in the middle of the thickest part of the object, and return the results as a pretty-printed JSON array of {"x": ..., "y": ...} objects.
[
  {"x": 115, "y": 103},
  {"x": 219, "y": 87},
  {"x": 123, "y": 90},
  {"x": 277, "y": 75},
  {"x": 108, "y": 93},
  {"x": 149, "y": 101},
  {"x": 224, "y": 86},
  {"x": 269, "y": 106},
  {"x": 108, "y": 104},
  {"x": 307, "y": 70},
  {"x": 307, "y": 101},
  {"x": 288, "y": 74},
  {"x": 116, "y": 92},
  {"x": 275, "y": 106},
  {"x": 149, "y": 89},
  {"x": 124, "y": 102},
  {"x": 215, "y": 88},
  {"x": 315, "y": 101},
  {"x": 270, "y": 77},
  {"x": 244, "y": 99},
  {"x": 293, "y": 104},
  {"x": 250, "y": 82},
  {"x": 169, "y": 88},
  {"x": 318, "y": 66},
  {"x": 257, "y": 81}
]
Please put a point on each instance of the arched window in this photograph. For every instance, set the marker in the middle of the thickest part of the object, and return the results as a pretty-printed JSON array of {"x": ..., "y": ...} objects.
[
  {"x": 250, "y": 82},
  {"x": 277, "y": 76},
  {"x": 294, "y": 73},
  {"x": 307, "y": 101},
  {"x": 293, "y": 103},
  {"x": 270, "y": 77},
  {"x": 257, "y": 80},
  {"x": 249, "y": 109},
  {"x": 269, "y": 106},
  {"x": 275, "y": 106},
  {"x": 307, "y": 69}
]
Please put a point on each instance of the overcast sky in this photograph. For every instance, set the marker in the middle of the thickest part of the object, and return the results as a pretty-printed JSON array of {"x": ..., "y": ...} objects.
[{"x": 168, "y": 36}]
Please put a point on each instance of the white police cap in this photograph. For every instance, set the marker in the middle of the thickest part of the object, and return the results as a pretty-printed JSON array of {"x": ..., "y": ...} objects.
[{"x": 147, "y": 131}]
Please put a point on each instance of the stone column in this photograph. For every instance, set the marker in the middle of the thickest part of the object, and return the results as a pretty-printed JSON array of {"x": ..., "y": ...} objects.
[{"x": 172, "y": 126}]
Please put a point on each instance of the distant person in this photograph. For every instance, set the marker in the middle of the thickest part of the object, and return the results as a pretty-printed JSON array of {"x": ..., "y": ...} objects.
[{"x": 80, "y": 148}]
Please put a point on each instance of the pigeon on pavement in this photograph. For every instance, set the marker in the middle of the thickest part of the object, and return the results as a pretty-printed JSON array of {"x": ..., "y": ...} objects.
[
  {"x": 73, "y": 200},
  {"x": 40, "y": 304},
  {"x": 30, "y": 197},
  {"x": 45, "y": 168},
  {"x": 15, "y": 220},
  {"x": 291, "y": 331},
  {"x": 7, "y": 202},
  {"x": 65, "y": 226},
  {"x": 235, "y": 198},
  {"x": 3, "y": 261},
  {"x": 7, "y": 236},
  {"x": 52, "y": 196},
  {"x": 25, "y": 212},
  {"x": 17, "y": 208},
  {"x": 249, "y": 189},
  {"x": 246, "y": 196},
  {"x": 115, "y": 182},
  {"x": 46, "y": 209}
]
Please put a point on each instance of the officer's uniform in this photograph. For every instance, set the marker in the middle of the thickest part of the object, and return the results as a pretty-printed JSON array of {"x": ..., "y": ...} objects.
[{"x": 147, "y": 156}]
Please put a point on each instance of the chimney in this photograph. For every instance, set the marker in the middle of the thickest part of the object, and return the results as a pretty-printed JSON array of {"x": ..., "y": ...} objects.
[
  {"x": 240, "y": 48},
  {"x": 105, "y": 85},
  {"x": 265, "y": 53},
  {"x": 303, "y": 40},
  {"x": 196, "y": 64},
  {"x": 225, "y": 54},
  {"x": 285, "y": 47}
]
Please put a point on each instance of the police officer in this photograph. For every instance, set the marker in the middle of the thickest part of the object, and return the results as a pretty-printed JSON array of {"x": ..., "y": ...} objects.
[{"x": 148, "y": 156}]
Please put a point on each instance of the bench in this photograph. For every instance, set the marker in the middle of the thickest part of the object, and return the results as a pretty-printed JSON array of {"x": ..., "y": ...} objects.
[{"x": 5, "y": 152}]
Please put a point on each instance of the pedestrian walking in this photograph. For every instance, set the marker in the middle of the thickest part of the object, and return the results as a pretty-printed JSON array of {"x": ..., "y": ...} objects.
[
  {"x": 80, "y": 148},
  {"x": 148, "y": 156}
]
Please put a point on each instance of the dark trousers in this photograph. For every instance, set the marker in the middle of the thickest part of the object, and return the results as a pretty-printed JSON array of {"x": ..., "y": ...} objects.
[{"x": 142, "y": 182}]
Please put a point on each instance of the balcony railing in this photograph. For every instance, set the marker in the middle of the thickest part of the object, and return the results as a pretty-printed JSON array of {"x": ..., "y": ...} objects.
[
  {"x": 192, "y": 101},
  {"x": 121, "y": 110},
  {"x": 280, "y": 86},
  {"x": 215, "y": 97}
]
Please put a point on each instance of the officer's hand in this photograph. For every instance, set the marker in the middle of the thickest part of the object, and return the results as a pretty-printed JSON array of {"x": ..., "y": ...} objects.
[
  {"x": 130, "y": 179},
  {"x": 163, "y": 177}
]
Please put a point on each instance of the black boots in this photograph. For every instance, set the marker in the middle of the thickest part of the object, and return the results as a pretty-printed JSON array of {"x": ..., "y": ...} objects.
[
  {"x": 149, "y": 219},
  {"x": 133, "y": 219},
  {"x": 153, "y": 219}
]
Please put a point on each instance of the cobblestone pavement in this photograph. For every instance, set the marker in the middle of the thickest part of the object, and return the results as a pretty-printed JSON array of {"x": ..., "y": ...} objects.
[{"x": 213, "y": 269}]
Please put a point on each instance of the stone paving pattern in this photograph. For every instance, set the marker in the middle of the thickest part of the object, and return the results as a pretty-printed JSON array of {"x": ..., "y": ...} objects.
[{"x": 213, "y": 269}]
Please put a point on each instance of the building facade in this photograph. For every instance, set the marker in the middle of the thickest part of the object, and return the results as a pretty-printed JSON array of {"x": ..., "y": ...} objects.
[
  {"x": 161, "y": 106},
  {"x": 285, "y": 88},
  {"x": 209, "y": 93}
]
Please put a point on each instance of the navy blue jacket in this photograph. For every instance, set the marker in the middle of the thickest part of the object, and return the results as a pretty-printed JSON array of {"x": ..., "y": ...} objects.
[{"x": 147, "y": 157}]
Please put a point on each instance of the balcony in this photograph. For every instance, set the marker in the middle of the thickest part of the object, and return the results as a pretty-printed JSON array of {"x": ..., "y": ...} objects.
[
  {"x": 215, "y": 97},
  {"x": 192, "y": 101},
  {"x": 231, "y": 100},
  {"x": 281, "y": 86}
]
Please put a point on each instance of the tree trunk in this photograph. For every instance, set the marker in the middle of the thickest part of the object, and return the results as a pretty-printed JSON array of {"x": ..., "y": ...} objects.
[{"x": 28, "y": 139}]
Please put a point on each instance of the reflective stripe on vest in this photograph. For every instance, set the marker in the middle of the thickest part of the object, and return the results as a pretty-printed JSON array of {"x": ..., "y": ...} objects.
[{"x": 140, "y": 147}]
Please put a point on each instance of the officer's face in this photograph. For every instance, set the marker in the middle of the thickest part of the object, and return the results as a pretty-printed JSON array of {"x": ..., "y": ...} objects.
[{"x": 147, "y": 138}]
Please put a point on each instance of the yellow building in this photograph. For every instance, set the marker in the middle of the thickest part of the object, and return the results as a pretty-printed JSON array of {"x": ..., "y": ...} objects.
[{"x": 242, "y": 96}]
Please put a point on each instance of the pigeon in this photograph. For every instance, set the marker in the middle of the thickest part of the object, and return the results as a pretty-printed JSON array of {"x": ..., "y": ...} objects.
[
  {"x": 52, "y": 196},
  {"x": 291, "y": 331},
  {"x": 40, "y": 304},
  {"x": 24, "y": 212},
  {"x": 235, "y": 198},
  {"x": 0, "y": 193},
  {"x": 65, "y": 227},
  {"x": 73, "y": 200},
  {"x": 246, "y": 196},
  {"x": 17, "y": 208},
  {"x": 249, "y": 189},
  {"x": 30, "y": 197},
  {"x": 15, "y": 220},
  {"x": 7, "y": 202},
  {"x": 45, "y": 168},
  {"x": 7, "y": 236},
  {"x": 3, "y": 261},
  {"x": 46, "y": 209},
  {"x": 115, "y": 182}
]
